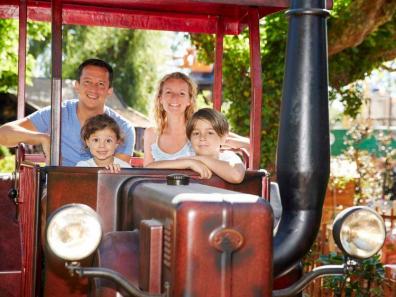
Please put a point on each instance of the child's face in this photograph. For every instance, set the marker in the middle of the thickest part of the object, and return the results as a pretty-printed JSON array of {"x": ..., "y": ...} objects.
[
  {"x": 175, "y": 96},
  {"x": 204, "y": 139},
  {"x": 102, "y": 145}
]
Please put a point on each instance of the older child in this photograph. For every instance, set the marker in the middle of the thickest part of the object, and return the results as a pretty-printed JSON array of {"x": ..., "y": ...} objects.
[
  {"x": 102, "y": 135},
  {"x": 174, "y": 105},
  {"x": 207, "y": 130}
]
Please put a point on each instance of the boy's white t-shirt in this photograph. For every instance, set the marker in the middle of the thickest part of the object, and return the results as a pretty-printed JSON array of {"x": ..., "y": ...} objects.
[
  {"x": 91, "y": 163},
  {"x": 230, "y": 157}
]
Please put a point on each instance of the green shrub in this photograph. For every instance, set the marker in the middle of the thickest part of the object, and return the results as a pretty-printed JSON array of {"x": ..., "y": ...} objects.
[{"x": 7, "y": 161}]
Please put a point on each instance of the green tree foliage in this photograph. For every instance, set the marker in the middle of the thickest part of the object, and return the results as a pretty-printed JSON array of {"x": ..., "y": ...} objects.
[
  {"x": 37, "y": 33},
  {"x": 236, "y": 79},
  {"x": 132, "y": 53},
  {"x": 361, "y": 38}
]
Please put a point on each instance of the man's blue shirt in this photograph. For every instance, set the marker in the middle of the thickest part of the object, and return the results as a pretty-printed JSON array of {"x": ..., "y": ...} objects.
[{"x": 72, "y": 146}]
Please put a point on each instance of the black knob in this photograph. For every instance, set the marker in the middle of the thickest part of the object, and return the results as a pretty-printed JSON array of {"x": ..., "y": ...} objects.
[
  {"x": 177, "y": 179},
  {"x": 13, "y": 193}
]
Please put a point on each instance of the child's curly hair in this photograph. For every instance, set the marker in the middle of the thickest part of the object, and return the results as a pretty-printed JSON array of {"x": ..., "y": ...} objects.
[{"x": 100, "y": 122}]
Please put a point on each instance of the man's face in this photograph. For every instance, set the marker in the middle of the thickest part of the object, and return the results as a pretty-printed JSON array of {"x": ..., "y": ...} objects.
[{"x": 93, "y": 87}]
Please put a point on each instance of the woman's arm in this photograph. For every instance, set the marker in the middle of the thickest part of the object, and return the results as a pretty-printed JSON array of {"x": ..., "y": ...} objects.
[
  {"x": 230, "y": 172},
  {"x": 237, "y": 141},
  {"x": 150, "y": 136}
]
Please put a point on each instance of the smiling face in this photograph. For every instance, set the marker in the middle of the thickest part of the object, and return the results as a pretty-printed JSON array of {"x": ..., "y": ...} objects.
[
  {"x": 102, "y": 145},
  {"x": 205, "y": 140},
  {"x": 93, "y": 88},
  {"x": 175, "y": 96}
]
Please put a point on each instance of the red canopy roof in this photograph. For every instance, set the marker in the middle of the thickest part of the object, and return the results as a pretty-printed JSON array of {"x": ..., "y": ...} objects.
[{"x": 199, "y": 16}]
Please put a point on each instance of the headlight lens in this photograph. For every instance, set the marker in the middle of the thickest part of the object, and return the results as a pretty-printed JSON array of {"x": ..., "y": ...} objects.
[
  {"x": 73, "y": 232},
  {"x": 359, "y": 232}
]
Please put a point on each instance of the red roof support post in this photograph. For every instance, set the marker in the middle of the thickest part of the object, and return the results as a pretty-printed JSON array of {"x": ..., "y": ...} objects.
[
  {"x": 56, "y": 83},
  {"x": 256, "y": 89},
  {"x": 218, "y": 70},
  {"x": 22, "y": 58}
]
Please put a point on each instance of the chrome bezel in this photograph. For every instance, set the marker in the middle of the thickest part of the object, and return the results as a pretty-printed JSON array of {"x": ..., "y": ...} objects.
[
  {"x": 89, "y": 222},
  {"x": 359, "y": 247}
]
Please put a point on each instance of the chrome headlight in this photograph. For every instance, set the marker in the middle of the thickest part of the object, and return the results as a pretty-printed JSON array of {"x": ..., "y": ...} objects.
[
  {"x": 359, "y": 232},
  {"x": 73, "y": 232}
]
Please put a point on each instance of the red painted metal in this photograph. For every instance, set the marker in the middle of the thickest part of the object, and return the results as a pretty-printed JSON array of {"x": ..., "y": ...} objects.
[
  {"x": 192, "y": 224},
  {"x": 150, "y": 255},
  {"x": 101, "y": 190},
  {"x": 56, "y": 85},
  {"x": 256, "y": 89},
  {"x": 22, "y": 58},
  {"x": 180, "y": 15},
  {"x": 218, "y": 68},
  {"x": 265, "y": 187},
  {"x": 28, "y": 201},
  {"x": 10, "y": 245}
]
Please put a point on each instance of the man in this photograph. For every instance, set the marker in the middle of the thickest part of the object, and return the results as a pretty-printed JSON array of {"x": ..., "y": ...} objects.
[{"x": 93, "y": 86}]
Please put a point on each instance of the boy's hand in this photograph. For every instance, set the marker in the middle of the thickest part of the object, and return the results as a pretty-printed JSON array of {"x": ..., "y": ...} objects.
[
  {"x": 114, "y": 168},
  {"x": 200, "y": 168}
]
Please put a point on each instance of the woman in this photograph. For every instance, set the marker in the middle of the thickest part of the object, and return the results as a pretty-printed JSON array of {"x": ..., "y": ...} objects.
[{"x": 174, "y": 105}]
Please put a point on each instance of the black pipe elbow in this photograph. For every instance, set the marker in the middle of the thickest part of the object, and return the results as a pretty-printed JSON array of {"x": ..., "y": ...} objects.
[{"x": 303, "y": 155}]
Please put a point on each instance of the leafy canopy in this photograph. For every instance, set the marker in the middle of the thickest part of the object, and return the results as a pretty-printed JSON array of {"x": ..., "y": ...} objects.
[{"x": 361, "y": 38}]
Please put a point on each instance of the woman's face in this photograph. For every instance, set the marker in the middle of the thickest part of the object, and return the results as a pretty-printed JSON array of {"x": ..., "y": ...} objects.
[{"x": 175, "y": 96}]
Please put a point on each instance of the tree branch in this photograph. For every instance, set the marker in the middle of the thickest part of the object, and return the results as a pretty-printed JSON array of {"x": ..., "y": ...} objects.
[{"x": 361, "y": 18}]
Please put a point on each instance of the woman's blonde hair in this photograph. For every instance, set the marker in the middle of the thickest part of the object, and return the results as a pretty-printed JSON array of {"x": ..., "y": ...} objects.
[{"x": 160, "y": 113}]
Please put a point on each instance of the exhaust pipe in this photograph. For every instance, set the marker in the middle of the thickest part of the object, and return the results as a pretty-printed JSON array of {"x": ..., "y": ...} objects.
[{"x": 303, "y": 155}]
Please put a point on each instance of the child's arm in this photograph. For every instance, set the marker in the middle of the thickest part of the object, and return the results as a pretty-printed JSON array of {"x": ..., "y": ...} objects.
[
  {"x": 195, "y": 165},
  {"x": 232, "y": 173}
]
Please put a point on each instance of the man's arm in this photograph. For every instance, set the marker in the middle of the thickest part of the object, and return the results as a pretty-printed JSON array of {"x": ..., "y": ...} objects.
[
  {"x": 232, "y": 173},
  {"x": 24, "y": 131},
  {"x": 186, "y": 163}
]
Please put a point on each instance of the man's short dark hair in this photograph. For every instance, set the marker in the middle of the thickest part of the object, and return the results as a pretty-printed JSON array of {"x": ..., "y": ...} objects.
[{"x": 98, "y": 63}]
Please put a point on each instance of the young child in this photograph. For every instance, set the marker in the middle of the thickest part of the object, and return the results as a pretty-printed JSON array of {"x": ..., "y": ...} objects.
[
  {"x": 207, "y": 130},
  {"x": 102, "y": 135}
]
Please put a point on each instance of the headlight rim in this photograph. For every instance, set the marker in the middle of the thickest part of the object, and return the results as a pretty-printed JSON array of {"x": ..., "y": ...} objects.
[
  {"x": 58, "y": 211},
  {"x": 338, "y": 223}
]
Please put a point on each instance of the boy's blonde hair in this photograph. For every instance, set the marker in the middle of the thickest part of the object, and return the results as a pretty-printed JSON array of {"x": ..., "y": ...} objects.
[
  {"x": 100, "y": 122},
  {"x": 216, "y": 119},
  {"x": 160, "y": 113}
]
